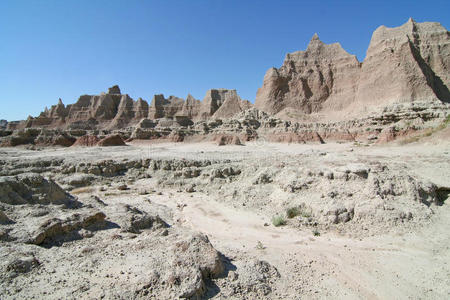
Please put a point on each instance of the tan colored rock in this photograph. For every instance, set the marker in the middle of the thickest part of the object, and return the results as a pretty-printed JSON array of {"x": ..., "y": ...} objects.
[
  {"x": 406, "y": 63},
  {"x": 403, "y": 64},
  {"x": 161, "y": 107},
  {"x": 140, "y": 109},
  {"x": 309, "y": 79},
  {"x": 191, "y": 108},
  {"x": 221, "y": 103}
]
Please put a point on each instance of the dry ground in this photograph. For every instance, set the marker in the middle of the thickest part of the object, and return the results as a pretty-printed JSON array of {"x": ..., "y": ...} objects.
[{"x": 412, "y": 262}]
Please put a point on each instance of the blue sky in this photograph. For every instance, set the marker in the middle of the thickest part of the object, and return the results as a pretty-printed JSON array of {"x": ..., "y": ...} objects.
[{"x": 63, "y": 49}]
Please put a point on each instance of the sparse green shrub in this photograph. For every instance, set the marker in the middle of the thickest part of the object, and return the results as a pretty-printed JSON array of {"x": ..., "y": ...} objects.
[
  {"x": 292, "y": 212},
  {"x": 316, "y": 232},
  {"x": 428, "y": 133},
  {"x": 306, "y": 214},
  {"x": 260, "y": 246},
  {"x": 278, "y": 221}
]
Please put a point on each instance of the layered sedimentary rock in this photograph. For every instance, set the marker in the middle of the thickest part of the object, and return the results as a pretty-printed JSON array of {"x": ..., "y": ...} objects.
[
  {"x": 191, "y": 107},
  {"x": 161, "y": 107},
  {"x": 310, "y": 78},
  {"x": 406, "y": 63},
  {"x": 222, "y": 104},
  {"x": 218, "y": 103},
  {"x": 403, "y": 64},
  {"x": 114, "y": 110}
]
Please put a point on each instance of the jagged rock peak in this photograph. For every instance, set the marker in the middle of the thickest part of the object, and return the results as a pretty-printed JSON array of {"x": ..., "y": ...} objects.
[
  {"x": 114, "y": 90},
  {"x": 318, "y": 50},
  {"x": 315, "y": 41},
  {"x": 403, "y": 64}
]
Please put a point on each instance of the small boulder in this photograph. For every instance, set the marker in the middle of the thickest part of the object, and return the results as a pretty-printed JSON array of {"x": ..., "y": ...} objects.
[{"x": 4, "y": 219}]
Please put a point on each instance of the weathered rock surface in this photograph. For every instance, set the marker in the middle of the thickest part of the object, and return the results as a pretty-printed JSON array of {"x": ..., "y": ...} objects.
[
  {"x": 195, "y": 261},
  {"x": 222, "y": 103},
  {"x": 56, "y": 230},
  {"x": 114, "y": 110},
  {"x": 111, "y": 140},
  {"x": 32, "y": 189},
  {"x": 403, "y": 64}
]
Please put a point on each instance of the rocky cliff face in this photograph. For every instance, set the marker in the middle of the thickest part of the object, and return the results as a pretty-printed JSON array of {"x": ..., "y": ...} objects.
[{"x": 403, "y": 64}]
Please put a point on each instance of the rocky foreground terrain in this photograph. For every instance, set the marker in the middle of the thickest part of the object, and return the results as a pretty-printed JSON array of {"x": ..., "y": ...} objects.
[
  {"x": 334, "y": 184},
  {"x": 257, "y": 221}
]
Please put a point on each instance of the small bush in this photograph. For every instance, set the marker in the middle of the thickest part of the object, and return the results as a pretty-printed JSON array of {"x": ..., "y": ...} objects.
[
  {"x": 306, "y": 214},
  {"x": 260, "y": 246},
  {"x": 428, "y": 133},
  {"x": 292, "y": 212},
  {"x": 316, "y": 232},
  {"x": 278, "y": 221}
]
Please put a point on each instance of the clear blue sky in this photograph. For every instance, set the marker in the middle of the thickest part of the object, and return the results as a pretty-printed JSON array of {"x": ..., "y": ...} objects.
[{"x": 62, "y": 48}]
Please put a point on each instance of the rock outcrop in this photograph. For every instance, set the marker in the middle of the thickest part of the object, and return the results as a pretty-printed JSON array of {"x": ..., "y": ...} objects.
[
  {"x": 114, "y": 110},
  {"x": 30, "y": 188},
  {"x": 403, "y": 64},
  {"x": 222, "y": 103},
  {"x": 111, "y": 140}
]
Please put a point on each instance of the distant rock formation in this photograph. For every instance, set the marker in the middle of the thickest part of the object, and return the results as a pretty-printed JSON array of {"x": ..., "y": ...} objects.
[
  {"x": 3, "y": 124},
  {"x": 222, "y": 103},
  {"x": 114, "y": 110},
  {"x": 403, "y": 64}
]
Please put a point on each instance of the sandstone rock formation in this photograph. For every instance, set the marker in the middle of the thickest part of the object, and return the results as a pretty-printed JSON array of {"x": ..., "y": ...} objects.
[
  {"x": 403, "y": 64},
  {"x": 217, "y": 104},
  {"x": 114, "y": 110},
  {"x": 222, "y": 103}
]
